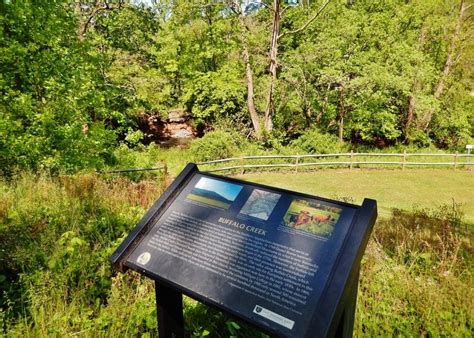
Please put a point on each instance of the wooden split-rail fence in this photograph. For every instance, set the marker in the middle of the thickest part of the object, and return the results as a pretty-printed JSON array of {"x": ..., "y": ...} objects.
[
  {"x": 340, "y": 160},
  {"x": 344, "y": 160}
]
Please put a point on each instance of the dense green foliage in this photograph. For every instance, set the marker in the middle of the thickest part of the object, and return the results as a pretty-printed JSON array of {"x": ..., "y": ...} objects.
[
  {"x": 55, "y": 278},
  {"x": 52, "y": 106},
  {"x": 75, "y": 77},
  {"x": 315, "y": 142},
  {"x": 213, "y": 146}
]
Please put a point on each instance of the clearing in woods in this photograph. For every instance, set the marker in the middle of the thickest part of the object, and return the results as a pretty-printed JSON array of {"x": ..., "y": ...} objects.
[{"x": 425, "y": 188}]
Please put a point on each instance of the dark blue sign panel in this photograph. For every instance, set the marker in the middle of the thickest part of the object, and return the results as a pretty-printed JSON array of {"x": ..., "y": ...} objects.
[{"x": 263, "y": 254}]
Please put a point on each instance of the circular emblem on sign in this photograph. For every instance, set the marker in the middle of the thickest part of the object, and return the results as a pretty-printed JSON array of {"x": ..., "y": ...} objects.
[
  {"x": 258, "y": 309},
  {"x": 144, "y": 258}
]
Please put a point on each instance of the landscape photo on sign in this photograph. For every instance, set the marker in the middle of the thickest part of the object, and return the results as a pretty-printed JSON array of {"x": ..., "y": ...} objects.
[
  {"x": 312, "y": 216},
  {"x": 260, "y": 204},
  {"x": 215, "y": 193}
]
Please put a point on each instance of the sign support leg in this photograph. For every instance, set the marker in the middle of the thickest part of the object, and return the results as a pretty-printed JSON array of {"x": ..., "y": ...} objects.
[
  {"x": 169, "y": 308},
  {"x": 346, "y": 325}
]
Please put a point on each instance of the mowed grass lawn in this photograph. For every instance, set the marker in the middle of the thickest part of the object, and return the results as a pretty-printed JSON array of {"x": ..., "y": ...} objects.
[{"x": 391, "y": 188}]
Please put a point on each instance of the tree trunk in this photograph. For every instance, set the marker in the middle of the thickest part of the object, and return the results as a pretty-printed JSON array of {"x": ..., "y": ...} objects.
[
  {"x": 78, "y": 12},
  {"x": 324, "y": 105},
  {"x": 276, "y": 23},
  {"x": 273, "y": 64},
  {"x": 449, "y": 62},
  {"x": 77, "y": 7},
  {"x": 249, "y": 76},
  {"x": 415, "y": 89},
  {"x": 250, "y": 94},
  {"x": 410, "y": 112},
  {"x": 340, "y": 125},
  {"x": 341, "y": 114}
]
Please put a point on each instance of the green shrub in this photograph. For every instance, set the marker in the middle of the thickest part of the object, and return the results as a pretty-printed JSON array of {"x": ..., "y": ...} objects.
[
  {"x": 140, "y": 157},
  {"x": 317, "y": 142},
  {"x": 215, "y": 145},
  {"x": 419, "y": 139},
  {"x": 214, "y": 96}
]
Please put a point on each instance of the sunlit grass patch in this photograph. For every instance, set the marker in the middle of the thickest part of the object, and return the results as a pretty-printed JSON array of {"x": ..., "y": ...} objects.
[{"x": 391, "y": 188}]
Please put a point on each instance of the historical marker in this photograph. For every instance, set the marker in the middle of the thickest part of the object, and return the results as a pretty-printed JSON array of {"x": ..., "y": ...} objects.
[{"x": 283, "y": 261}]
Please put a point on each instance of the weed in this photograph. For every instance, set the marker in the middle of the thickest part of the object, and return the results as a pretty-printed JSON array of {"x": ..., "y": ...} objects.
[{"x": 416, "y": 278}]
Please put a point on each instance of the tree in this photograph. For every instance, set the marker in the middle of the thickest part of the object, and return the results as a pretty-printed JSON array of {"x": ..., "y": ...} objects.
[
  {"x": 276, "y": 8},
  {"x": 277, "y": 11},
  {"x": 51, "y": 104},
  {"x": 243, "y": 38},
  {"x": 87, "y": 13},
  {"x": 452, "y": 56}
]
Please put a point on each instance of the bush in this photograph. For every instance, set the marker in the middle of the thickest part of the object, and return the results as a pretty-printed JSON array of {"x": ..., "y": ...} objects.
[
  {"x": 419, "y": 139},
  {"x": 215, "y": 96},
  {"x": 317, "y": 142},
  {"x": 215, "y": 145},
  {"x": 140, "y": 157}
]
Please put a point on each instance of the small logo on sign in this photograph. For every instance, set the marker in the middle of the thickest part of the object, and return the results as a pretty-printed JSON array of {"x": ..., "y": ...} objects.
[
  {"x": 144, "y": 258},
  {"x": 274, "y": 317}
]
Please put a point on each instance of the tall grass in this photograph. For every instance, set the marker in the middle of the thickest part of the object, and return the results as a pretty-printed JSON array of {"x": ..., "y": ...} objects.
[
  {"x": 57, "y": 233},
  {"x": 417, "y": 276}
]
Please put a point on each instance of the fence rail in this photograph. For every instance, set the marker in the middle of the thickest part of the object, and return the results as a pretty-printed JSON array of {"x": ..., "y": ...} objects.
[
  {"x": 129, "y": 170},
  {"x": 349, "y": 160},
  {"x": 295, "y": 162}
]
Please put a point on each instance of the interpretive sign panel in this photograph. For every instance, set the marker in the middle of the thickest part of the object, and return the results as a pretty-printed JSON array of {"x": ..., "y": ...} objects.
[{"x": 266, "y": 255}]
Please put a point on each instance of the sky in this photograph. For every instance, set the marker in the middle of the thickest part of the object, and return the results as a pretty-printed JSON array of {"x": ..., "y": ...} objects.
[{"x": 228, "y": 190}]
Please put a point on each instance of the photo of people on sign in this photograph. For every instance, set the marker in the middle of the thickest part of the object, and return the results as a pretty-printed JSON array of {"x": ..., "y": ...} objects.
[
  {"x": 312, "y": 216},
  {"x": 260, "y": 204},
  {"x": 215, "y": 193}
]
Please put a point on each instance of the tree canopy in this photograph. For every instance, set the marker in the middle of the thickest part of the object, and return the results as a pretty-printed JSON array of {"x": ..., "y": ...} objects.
[{"x": 75, "y": 76}]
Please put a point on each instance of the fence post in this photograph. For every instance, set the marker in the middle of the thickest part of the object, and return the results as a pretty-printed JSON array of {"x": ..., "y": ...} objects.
[
  {"x": 404, "y": 159},
  {"x": 296, "y": 163},
  {"x": 455, "y": 160},
  {"x": 242, "y": 170},
  {"x": 352, "y": 159}
]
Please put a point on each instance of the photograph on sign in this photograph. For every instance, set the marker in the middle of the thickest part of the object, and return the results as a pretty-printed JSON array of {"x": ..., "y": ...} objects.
[
  {"x": 312, "y": 216},
  {"x": 215, "y": 193},
  {"x": 260, "y": 204}
]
